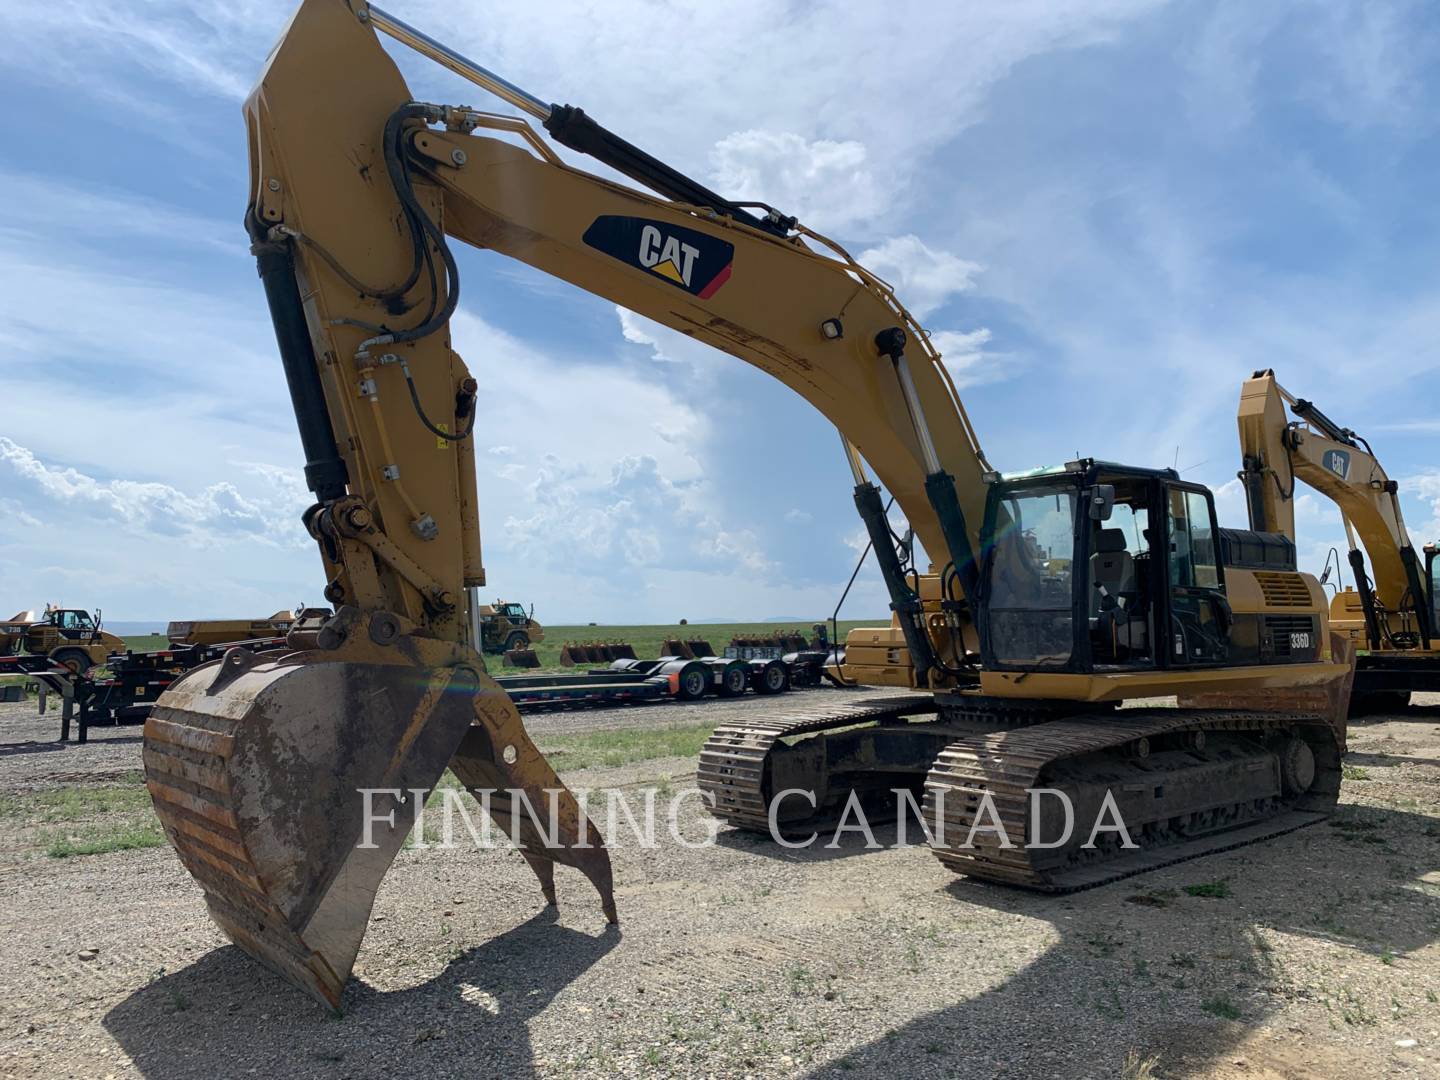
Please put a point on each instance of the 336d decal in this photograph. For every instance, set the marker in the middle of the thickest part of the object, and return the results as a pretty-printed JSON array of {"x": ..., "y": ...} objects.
[{"x": 688, "y": 259}]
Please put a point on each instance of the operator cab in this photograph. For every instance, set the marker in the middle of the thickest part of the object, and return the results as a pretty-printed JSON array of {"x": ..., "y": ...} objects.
[
  {"x": 71, "y": 622},
  {"x": 1101, "y": 567},
  {"x": 514, "y": 612}
]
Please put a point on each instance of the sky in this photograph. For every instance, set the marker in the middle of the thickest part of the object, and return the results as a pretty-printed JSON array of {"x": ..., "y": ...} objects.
[{"x": 1108, "y": 213}]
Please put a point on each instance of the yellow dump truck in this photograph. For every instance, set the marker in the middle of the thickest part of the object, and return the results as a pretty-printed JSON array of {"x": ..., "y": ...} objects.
[
  {"x": 219, "y": 631},
  {"x": 69, "y": 636},
  {"x": 505, "y": 626}
]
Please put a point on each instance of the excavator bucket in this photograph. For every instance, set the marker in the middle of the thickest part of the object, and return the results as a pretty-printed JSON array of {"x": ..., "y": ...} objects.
[
  {"x": 676, "y": 647},
  {"x": 287, "y": 787},
  {"x": 521, "y": 658}
]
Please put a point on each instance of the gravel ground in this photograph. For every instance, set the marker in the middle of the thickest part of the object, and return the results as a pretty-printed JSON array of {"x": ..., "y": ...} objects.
[{"x": 743, "y": 959}]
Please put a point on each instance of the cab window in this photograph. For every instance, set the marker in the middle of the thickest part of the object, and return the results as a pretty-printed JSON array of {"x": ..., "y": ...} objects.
[
  {"x": 1193, "y": 563},
  {"x": 1030, "y": 565}
]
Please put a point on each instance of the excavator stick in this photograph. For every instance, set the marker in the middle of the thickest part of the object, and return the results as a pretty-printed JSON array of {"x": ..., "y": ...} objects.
[{"x": 287, "y": 786}]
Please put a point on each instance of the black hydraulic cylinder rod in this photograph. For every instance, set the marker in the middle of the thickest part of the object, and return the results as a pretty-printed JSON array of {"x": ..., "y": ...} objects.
[
  {"x": 1306, "y": 410},
  {"x": 1367, "y": 598},
  {"x": 903, "y": 599},
  {"x": 1253, "y": 477},
  {"x": 1420, "y": 598},
  {"x": 325, "y": 472},
  {"x": 940, "y": 489},
  {"x": 570, "y": 126}
]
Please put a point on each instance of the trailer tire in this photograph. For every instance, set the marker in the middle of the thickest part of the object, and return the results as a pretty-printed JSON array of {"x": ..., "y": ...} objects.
[
  {"x": 774, "y": 678},
  {"x": 733, "y": 681},
  {"x": 77, "y": 660},
  {"x": 691, "y": 684}
]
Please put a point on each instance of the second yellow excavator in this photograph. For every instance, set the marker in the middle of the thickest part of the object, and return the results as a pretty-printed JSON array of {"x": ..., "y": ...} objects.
[
  {"x": 1394, "y": 615},
  {"x": 1052, "y": 597}
]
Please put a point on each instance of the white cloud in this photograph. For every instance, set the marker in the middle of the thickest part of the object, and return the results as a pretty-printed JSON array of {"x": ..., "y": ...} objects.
[
  {"x": 925, "y": 280},
  {"x": 799, "y": 517},
  {"x": 1427, "y": 486},
  {"x": 665, "y": 345},
  {"x": 155, "y": 509},
  {"x": 826, "y": 184}
]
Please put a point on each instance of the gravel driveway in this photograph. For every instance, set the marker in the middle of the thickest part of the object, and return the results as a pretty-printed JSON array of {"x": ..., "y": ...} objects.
[{"x": 1319, "y": 960}]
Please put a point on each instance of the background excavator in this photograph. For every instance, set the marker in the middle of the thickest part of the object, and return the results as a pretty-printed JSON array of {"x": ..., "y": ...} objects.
[
  {"x": 1052, "y": 596},
  {"x": 1393, "y": 611}
]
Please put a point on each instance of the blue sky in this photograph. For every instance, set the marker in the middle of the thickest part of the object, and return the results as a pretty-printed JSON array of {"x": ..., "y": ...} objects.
[{"x": 1112, "y": 211}]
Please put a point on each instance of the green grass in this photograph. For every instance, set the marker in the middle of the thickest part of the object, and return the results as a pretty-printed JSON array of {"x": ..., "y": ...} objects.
[
  {"x": 147, "y": 643},
  {"x": 103, "y": 839},
  {"x": 648, "y": 639},
  {"x": 1354, "y": 772},
  {"x": 51, "y": 805},
  {"x": 1217, "y": 890},
  {"x": 74, "y": 820},
  {"x": 611, "y": 749},
  {"x": 1221, "y": 1006}
]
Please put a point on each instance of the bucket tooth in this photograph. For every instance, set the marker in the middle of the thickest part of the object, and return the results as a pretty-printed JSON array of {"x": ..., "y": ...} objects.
[{"x": 496, "y": 761}]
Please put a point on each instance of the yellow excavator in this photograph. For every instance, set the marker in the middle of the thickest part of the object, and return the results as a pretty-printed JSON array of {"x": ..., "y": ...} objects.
[
  {"x": 1394, "y": 616},
  {"x": 1053, "y": 596}
]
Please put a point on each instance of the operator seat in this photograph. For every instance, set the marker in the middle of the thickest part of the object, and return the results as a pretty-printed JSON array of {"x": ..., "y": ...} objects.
[
  {"x": 1112, "y": 566},
  {"x": 1119, "y": 628}
]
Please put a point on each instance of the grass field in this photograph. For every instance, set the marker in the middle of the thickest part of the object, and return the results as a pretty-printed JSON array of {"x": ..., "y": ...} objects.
[{"x": 646, "y": 639}]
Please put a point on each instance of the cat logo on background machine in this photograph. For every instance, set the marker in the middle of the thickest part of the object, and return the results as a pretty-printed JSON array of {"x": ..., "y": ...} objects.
[{"x": 692, "y": 260}]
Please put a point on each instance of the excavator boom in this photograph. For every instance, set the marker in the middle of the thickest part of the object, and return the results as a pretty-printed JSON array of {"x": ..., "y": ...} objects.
[
  {"x": 1339, "y": 464},
  {"x": 258, "y": 769}
]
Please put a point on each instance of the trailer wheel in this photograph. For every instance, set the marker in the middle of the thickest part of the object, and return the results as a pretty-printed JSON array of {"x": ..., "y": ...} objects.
[
  {"x": 517, "y": 640},
  {"x": 690, "y": 686},
  {"x": 773, "y": 679},
  {"x": 77, "y": 660},
  {"x": 734, "y": 681}
]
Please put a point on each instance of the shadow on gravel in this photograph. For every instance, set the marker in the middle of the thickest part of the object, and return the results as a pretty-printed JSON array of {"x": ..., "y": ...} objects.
[
  {"x": 225, "y": 1015},
  {"x": 845, "y": 845},
  {"x": 11, "y": 749},
  {"x": 1143, "y": 966},
  {"x": 53, "y": 745},
  {"x": 1377, "y": 757}
]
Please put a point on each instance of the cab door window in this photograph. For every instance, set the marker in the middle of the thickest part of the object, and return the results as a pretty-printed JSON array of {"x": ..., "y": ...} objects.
[
  {"x": 1193, "y": 563},
  {"x": 1198, "y": 621},
  {"x": 1120, "y": 590},
  {"x": 1030, "y": 569}
]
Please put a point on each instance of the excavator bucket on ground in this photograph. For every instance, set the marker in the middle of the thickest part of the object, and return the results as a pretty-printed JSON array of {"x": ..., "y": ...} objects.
[
  {"x": 521, "y": 658},
  {"x": 288, "y": 785}
]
